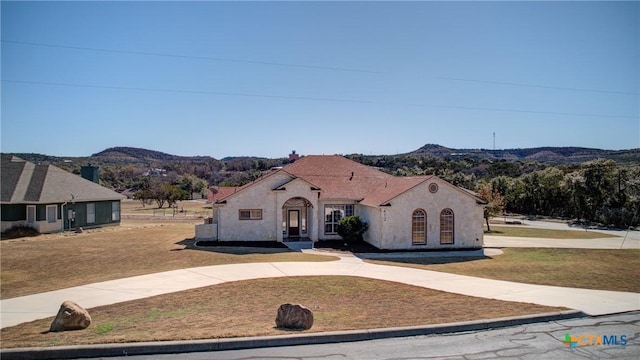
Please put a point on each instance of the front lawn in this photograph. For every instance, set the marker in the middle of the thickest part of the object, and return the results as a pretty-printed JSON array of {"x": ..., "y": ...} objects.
[
  {"x": 56, "y": 261},
  {"x": 248, "y": 308},
  {"x": 617, "y": 270}
]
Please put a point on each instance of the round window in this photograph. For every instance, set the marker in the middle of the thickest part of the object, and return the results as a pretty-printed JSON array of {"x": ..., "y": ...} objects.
[{"x": 433, "y": 187}]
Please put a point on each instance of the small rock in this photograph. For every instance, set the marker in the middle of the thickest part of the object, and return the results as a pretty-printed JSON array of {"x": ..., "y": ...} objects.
[
  {"x": 294, "y": 317},
  {"x": 71, "y": 316}
]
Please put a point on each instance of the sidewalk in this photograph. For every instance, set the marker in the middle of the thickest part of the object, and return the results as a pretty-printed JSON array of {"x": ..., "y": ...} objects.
[
  {"x": 631, "y": 242},
  {"x": 592, "y": 302}
]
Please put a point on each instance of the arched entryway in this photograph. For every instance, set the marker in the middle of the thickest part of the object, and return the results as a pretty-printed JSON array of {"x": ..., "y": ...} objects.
[{"x": 296, "y": 218}]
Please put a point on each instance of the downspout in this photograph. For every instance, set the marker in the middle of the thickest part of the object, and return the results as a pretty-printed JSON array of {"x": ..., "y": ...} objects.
[
  {"x": 62, "y": 215},
  {"x": 218, "y": 224}
]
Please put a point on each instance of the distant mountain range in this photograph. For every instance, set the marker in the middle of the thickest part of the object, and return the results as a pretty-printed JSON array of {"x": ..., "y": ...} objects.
[
  {"x": 132, "y": 155},
  {"x": 540, "y": 154}
]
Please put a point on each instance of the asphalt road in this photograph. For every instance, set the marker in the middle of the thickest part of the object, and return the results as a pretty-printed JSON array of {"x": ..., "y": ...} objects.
[{"x": 534, "y": 341}]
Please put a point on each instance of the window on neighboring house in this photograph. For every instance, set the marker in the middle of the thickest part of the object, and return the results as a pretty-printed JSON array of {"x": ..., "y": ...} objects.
[
  {"x": 251, "y": 214},
  {"x": 91, "y": 213},
  {"x": 52, "y": 213},
  {"x": 418, "y": 225},
  {"x": 115, "y": 211},
  {"x": 446, "y": 226},
  {"x": 333, "y": 214},
  {"x": 31, "y": 214}
]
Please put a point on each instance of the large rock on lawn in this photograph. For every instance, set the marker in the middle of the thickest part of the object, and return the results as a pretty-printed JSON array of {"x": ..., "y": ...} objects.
[
  {"x": 295, "y": 317},
  {"x": 71, "y": 316}
]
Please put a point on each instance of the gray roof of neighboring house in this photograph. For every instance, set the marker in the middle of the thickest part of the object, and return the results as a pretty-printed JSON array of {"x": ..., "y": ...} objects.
[{"x": 23, "y": 182}]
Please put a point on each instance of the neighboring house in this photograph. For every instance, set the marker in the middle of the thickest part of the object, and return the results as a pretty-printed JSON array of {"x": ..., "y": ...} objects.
[
  {"x": 307, "y": 199},
  {"x": 49, "y": 199}
]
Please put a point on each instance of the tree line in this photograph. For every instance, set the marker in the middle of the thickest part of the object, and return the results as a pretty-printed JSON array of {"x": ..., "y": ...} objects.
[{"x": 600, "y": 191}]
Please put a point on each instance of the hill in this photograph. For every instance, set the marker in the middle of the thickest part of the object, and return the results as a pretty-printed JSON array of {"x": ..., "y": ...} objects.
[
  {"x": 132, "y": 153},
  {"x": 540, "y": 154}
]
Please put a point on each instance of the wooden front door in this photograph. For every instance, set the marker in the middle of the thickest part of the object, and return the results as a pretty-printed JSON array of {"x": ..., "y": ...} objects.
[{"x": 294, "y": 222}]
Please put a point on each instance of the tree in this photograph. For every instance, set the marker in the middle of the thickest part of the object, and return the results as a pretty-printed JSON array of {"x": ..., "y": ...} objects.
[
  {"x": 143, "y": 196},
  {"x": 495, "y": 202},
  {"x": 351, "y": 228},
  {"x": 191, "y": 184}
]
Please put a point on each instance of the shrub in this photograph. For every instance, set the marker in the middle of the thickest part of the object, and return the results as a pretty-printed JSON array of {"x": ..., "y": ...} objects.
[
  {"x": 351, "y": 228},
  {"x": 19, "y": 231}
]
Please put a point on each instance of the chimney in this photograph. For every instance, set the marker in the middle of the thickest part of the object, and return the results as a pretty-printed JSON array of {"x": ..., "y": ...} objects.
[
  {"x": 293, "y": 156},
  {"x": 91, "y": 173}
]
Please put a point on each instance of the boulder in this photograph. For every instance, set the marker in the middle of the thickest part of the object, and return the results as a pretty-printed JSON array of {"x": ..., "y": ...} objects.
[
  {"x": 295, "y": 317},
  {"x": 71, "y": 316}
]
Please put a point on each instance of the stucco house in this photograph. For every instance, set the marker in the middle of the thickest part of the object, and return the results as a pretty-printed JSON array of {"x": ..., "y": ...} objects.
[
  {"x": 306, "y": 200},
  {"x": 50, "y": 199}
]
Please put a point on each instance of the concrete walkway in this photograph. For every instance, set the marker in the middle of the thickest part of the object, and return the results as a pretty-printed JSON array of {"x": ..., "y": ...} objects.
[
  {"x": 523, "y": 242},
  {"x": 28, "y": 308},
  {"x": 620, "y": 239}
]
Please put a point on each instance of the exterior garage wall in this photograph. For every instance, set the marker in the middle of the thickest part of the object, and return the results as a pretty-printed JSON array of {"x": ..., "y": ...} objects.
[{"x": 468, "y": 217}]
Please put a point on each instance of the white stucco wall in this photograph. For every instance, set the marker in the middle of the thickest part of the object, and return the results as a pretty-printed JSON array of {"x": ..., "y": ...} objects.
[
  {"x": 263, "y": 196},
  {"x": 394, "y": 231},
  {"x": 374, "y": 217},
  {"x": 389, "y": 226},
  {"x": 258, "y": 196},
  {"x": 207, "y": 232}
]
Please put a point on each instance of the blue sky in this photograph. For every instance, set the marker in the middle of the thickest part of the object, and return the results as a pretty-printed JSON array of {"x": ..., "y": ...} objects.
[{"x": 264, "y": 78}]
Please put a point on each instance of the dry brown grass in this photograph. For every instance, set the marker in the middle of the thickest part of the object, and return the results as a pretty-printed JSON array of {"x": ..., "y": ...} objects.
[
  {"x": 248, "y": 308},
  {"x": 185, "y": 207},
  {"x": 616, "y": 270},
  {"x": 49, "y": 262}
]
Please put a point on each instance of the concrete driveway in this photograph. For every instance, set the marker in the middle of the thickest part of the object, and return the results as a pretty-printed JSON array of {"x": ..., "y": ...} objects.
[
  {"x": 593, "y": 302},
  {"x": 622, "y": 240}
]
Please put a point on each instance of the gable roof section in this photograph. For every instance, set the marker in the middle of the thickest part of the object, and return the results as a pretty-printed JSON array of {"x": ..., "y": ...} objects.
[
  {"x": 312, "y": 187},
  {"x": 391, "y": 188},
  {"x": 27, "y": 183},
  {"x": 337, "y": 177},
  {"x": 225, "y": 192},
  {"x": 399, "y": 185},
  {"x": 221, "y": 192},
  {"x": 10, "y": 173}
]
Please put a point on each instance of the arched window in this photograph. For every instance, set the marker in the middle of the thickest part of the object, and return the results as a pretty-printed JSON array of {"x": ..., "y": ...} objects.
[
  {"x": 446, "y": 226},
  {"x": 418, "y": 225}
]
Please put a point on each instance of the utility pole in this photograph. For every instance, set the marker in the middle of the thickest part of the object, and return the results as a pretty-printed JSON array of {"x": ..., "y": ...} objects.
[{"x": 494, "y": 140}]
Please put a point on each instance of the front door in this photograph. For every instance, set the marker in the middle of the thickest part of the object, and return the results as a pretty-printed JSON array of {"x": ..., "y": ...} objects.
[{"x": 294, "y": 223}]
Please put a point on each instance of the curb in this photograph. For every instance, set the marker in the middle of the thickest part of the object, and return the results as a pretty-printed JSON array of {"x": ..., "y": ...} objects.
[{"x": 176, "y": 347}]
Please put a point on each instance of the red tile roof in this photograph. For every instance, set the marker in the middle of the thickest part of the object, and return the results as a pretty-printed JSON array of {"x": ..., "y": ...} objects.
[{"x": 338, "y": 177}]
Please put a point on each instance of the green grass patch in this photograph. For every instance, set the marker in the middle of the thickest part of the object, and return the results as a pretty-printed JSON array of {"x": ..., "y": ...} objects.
[
  {"x": 616, "y": 270},
  {"x": 518, "y": 231},
  {"x": 102, "y": 328}
]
